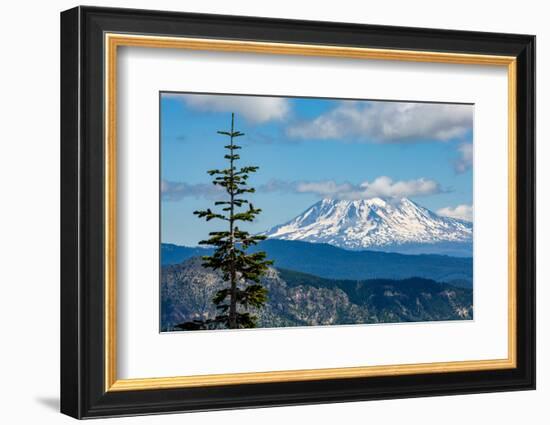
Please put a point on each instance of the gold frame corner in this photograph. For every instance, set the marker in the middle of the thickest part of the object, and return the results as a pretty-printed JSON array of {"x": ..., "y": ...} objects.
[{"x": 113, "y": 41}]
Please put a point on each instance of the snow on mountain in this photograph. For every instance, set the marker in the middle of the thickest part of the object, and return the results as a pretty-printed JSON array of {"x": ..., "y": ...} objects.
[{"x": 372, "y": 223}]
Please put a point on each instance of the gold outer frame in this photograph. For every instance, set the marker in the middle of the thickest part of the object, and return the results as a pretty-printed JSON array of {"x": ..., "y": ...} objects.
[{"x": 113, "y": 41}]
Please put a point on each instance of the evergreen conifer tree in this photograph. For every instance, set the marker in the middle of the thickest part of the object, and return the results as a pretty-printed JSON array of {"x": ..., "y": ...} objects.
[{"x": 240, "y": 270}]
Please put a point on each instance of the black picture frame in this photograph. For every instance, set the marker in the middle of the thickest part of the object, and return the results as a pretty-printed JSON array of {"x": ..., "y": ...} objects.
[{"x": 83, "y": 392}]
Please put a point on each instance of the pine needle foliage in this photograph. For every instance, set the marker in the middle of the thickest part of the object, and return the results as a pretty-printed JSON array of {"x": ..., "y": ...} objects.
[{"x": 240, "y": 270}]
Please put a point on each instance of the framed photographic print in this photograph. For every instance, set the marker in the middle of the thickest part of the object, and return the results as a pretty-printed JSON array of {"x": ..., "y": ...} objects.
[{"x": 261, "y": 212}]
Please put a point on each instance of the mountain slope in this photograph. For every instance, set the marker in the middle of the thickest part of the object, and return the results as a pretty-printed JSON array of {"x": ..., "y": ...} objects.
[
  {"x": 299, "y": 299},
  {"x": 402, "y": 226},
  {"x": 173, "y": 254},
  {"x": 335, "y": 263}
]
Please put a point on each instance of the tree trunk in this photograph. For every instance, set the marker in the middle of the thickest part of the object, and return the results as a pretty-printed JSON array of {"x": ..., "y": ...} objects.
[{"x": 233, "y": 292}]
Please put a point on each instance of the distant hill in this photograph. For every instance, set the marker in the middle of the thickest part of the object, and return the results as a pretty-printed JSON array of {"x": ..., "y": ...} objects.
[
  {"x": 173, "y": 254},
  {"x": 330, "y": 262},
  {"x": 300, "y": 299}
]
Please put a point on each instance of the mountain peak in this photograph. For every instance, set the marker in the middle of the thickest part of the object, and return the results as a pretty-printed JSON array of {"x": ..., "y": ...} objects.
[
  {"x": 375, "y": 201},
  {"x": 369, "y": 201},
  {"x": 371, "y": 223}
]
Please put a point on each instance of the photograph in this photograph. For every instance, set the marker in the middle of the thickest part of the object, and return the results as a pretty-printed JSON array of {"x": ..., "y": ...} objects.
[
  {"x": 280, "y": 211},
  {"x": 297, "y": 208}
]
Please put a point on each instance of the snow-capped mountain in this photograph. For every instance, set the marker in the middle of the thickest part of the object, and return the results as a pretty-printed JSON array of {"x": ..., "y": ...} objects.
[{"x": 376, "y": 224}]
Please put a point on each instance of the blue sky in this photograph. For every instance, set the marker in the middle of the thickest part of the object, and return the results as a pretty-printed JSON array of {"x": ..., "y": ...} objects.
[{"x": 308, "y": 149}]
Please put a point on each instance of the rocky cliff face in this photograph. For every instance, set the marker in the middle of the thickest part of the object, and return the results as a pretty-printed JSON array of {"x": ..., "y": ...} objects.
[{"x": 297, "y": 299}]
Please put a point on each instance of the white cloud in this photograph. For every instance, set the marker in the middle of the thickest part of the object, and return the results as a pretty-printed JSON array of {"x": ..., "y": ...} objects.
[
  {"x": 256, "y": 109},
  {"x": 176, "y": 191},
  {"x": 466, "y": 158},
  {"x": 276, "y": 185},
  {"x": 386, "y": 187},
  {"x": 462, "y": 212},
  {"x": 327, "y": 188},
  {"x": 388, "y": 122},
  {"x": 383, "y": 187}
]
